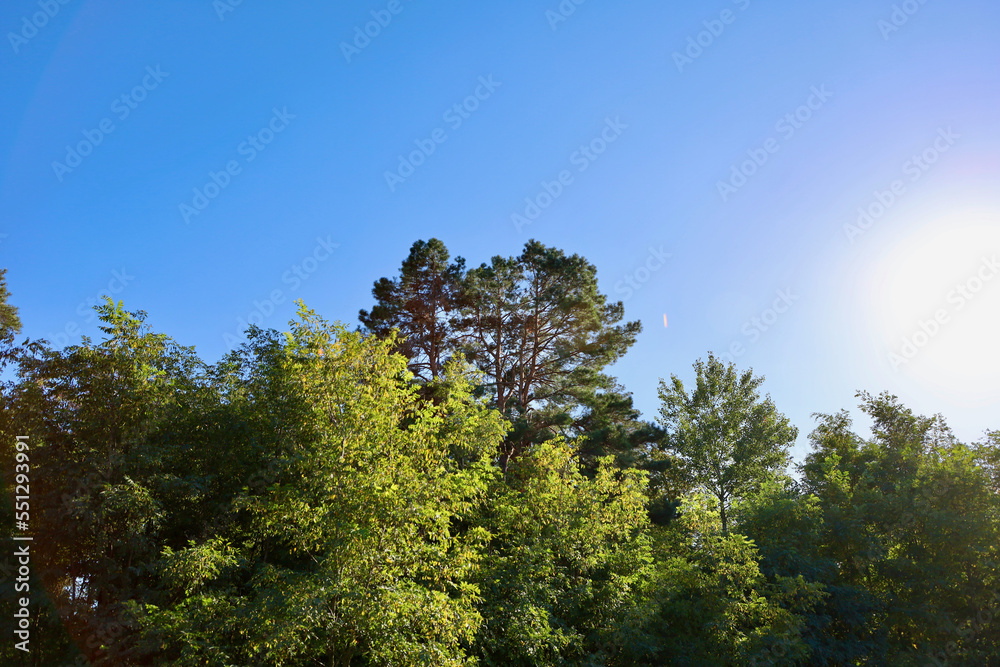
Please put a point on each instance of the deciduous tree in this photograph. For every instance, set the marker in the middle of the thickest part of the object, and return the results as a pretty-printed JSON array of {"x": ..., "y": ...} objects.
[{"x": 729, "y": 439}]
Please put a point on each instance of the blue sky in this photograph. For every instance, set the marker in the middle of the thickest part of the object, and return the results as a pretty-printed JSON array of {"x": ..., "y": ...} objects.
[{"x": 196, "y": 158}]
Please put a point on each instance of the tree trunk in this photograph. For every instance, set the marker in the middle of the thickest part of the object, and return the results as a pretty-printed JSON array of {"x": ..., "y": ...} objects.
[{"x": 722, "y": 515}]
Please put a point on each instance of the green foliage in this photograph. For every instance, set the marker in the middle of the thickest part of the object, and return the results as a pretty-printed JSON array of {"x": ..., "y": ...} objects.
[
  {"x": 421, "y": 304},
  {"x": 910, "y": 528},
  {"x": 715, "y": 605},
  {"x": 308, "y": 501},
  {"x": 351, "y": 549},
  {"x": 88, "y": 412},
  {"x": 728, "y": 438},
  {"x": 538, "y": 330},
  {"x": 568, "y": 561},
  {"x": 10, "y": 323},
  {"x": 790, "y": 527}
]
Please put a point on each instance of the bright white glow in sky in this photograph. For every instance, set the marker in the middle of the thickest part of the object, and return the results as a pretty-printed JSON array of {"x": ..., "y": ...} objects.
[{"x": 934, "y": 306}]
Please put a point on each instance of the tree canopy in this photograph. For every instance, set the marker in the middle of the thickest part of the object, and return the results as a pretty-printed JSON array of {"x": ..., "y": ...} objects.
[{"x": 322, "y": 496}]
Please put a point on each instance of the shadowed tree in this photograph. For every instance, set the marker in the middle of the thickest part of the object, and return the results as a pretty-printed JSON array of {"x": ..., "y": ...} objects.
[
  {"x": 912, "y": 523},
  {"x": 89, "y": 411},
  {"x": 988, "y": 457}
]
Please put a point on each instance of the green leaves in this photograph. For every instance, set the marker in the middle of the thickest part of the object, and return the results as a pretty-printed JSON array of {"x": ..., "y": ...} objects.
[
  {"x": 10, "y": 323},
  {"x": 535, "y": 326},
  {"x": 568, "y": 557},
  {"x": 351, "y": 548},
  {"x": 187, "y": 570},
  {"x": 307, "y": 500},
  {"x": 715, "y": 606},
  {"x": 421, "y": 304},
  {"x": 907, "y": 538},
  {"x": 728, "y": 438}
]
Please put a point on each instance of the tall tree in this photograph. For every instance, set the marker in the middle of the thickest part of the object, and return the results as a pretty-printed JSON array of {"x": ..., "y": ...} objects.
[
  {"x": 541, "y": 332},
  {"x": 728, "y": 438},
  {"x": 420, "y": 303}
]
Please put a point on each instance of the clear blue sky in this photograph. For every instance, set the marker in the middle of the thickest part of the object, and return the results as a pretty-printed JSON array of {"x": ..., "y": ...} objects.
[{"x": 308, "y": 129}]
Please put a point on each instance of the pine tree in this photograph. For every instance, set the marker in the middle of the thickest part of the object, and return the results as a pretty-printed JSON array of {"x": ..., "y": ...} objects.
[
  {"x": 541, "y": 332},
  {"x": 420, "y": 304}
]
